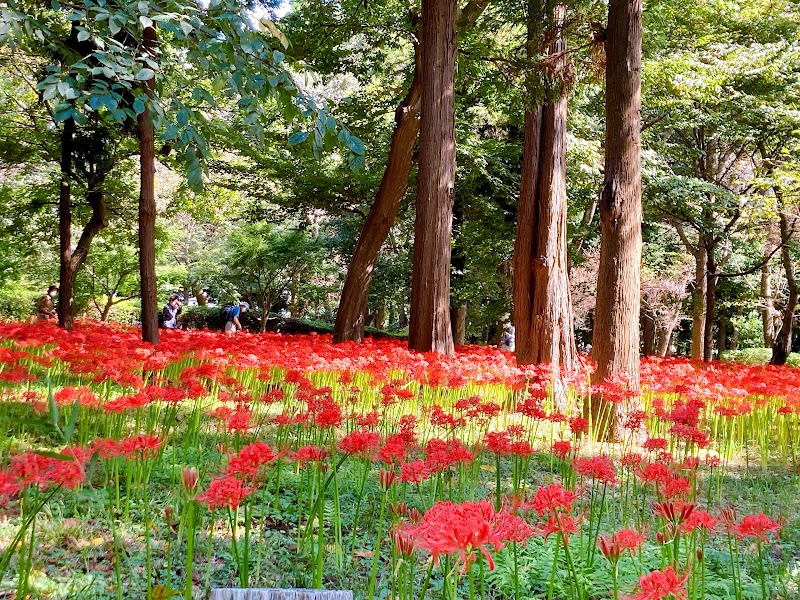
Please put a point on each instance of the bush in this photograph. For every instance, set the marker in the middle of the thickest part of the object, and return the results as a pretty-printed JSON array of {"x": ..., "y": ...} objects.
[{"x": 18, "y": 301}]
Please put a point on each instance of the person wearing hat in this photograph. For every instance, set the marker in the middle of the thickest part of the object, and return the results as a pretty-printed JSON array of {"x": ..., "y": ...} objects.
[
  {"x": 232, "y": 325},
  {"x": 45, "y": 309}
]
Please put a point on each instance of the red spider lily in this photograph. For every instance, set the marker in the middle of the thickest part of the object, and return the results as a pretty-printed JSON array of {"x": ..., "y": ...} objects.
[
  {"x": 654, "y": 473},
  {"x": 599, "y": 468},
  {"x": 360, "y": 442},
  {"x": 414, "y": 472},
  {"x": 757, "y": 526},
  {"x": 226, "y": 491},
  {"x": 441, "y": 454},
  {"x": 561, "y": 523},
  {"x": 624, "y": 539},
  {"x": 449, "y": 528},
  {"x": 579, "y": 425},
  {"x": 655, "y": 444},
  {"x": 660, "y": 584},
  {"x": 140, "y": 446},
  {"x": 250, "y": 459},
  {"x": 551, "y": 499},
  {"x": 562, "y": 449},
  {"x": 403, "y": 542},
  {"x": 675, "y": 486},
  {"x": 632, "y": 460},
  {"x": 394, "y": 449},
  {"x": 674, "y": 511},
  {"x": 306, "y": 454},
  {"x": 699, "y": 519}
]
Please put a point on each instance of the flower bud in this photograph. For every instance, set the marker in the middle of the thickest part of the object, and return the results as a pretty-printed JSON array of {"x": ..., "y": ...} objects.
[{"x": 189, "y": 479}]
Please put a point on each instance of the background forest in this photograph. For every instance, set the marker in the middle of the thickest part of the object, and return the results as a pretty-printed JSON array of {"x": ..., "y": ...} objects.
[{"x": 259, "y": 200}]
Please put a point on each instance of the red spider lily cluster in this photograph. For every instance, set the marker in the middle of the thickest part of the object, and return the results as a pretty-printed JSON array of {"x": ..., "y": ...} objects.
[{"x": 451, "y": 445}]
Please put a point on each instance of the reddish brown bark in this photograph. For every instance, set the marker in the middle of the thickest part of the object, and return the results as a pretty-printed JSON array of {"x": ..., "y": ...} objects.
[
  {"x": 350, "y": 317},
  {"x": 66, "y": 278},
  {"x": 429, "y": 328},
  {"x": 353, "y": 303},
  {"x": 616, "y": 330},
  {"x": 147, "y": 212}
]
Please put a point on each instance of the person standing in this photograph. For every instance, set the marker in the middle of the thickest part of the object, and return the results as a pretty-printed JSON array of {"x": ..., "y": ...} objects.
[
  {"x": 232, "y": 325},
  {"x": 45, "y": 307},
  {"x": 171, "y": 311}
]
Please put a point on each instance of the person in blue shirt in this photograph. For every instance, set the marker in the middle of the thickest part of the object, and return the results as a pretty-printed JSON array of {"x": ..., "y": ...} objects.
[{"x": 233, "y": 325}]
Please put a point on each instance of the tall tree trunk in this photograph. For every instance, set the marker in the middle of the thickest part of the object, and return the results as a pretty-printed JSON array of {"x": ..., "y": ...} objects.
[
  {"x": 783, "y": 341},
  {"x": 648, "y": 333},
  {"x": 665, "y": 339},
  {"x": 699, "y": 301},
  {"x": 542, "y": 303},
  {"x": 458, "y": 318},
  {"x": 616, "y": 329},
  {"x": 722, "y": 336},
  {"x": 350, "y": 316},
  {"x": 767, "y": 304},
  {"x": 147, "y": 211},
  {"x": 429, "y": 330},
  {"x": 711, "y": 304},
  {"x": 66, "y": 278}
]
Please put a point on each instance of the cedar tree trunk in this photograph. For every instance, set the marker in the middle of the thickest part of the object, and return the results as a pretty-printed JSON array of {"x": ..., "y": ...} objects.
[
  {"x": 616, "y": 329},
  {"x": 350, "y": 316},
  {"x": 542, "y": 303},
  {"x": 783, "y": 341},
  {"x": 147, "y": 212},
  {"x": 429, "y": 329},
  {"x": 699, "y": 301},
  {"x": 66, "y": 279}
]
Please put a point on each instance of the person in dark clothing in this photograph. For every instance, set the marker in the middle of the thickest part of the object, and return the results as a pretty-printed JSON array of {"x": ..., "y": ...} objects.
[{"x": 171, "y": 311}]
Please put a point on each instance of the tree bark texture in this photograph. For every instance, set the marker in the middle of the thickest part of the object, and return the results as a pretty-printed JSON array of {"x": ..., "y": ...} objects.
[
  {"x": 147, "y": 212},
  {"x": 349, "y": 324},
  {"x": 458, "y": 318},
  {"x": 429, "y": 328},
  {"x": 783, "y": 341},
  {"x": 350, "y": 316},
  {"x": 711, "y": 303},
  {"x": 542, "y": 303},
  {"x": 616, "y": 329},
  {"x": 699, "y": 301},
  {"x": 66, "y": 279},
  {"x": 767, "y": 304},
  {"x": 648, "y": 333}
]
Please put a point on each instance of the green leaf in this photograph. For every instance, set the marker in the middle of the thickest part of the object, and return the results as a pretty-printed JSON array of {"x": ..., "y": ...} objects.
[
  {"x": 138, "y": 106},
  {"x": 298, "y": 137},
  {"x": 83, "y": 35},
  {"x": 144, "y": 74},
  {"x": 56, "y": 455},
  {"x": 344, "y": 136},
  {"x": 356, "y": 145},
  {"x": 278, "y": 56},
  {"x": 145, "y": 21},
  {"x": 73, "y": 421}
]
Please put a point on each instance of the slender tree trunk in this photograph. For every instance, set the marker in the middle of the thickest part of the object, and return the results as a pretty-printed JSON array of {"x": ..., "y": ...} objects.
[
  {"x": 147, "y": 212},
  {"x": 458, "y": 317},
  {"x": 664, "y": 340},
  {"x": 711, "y": 304},
  {"x": 107, "y": 309},
  {"x": 783, "y": 341},
  {"x": 350, "y": 316},
  {"x": 349, "y": 324},
  {"x": 542, "y": 302},
  {"x": 699, "y": 301},
  {"x": 722, "y": 336},
  {"x": 648, "y": 333},
  {"x": 66, "y": 277},
  {"x": 616, "y": 329},
  {"x": 429, "y": 330},
  {"x": 380, "y": 316},
  {"x": 767, "y": 304}
]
